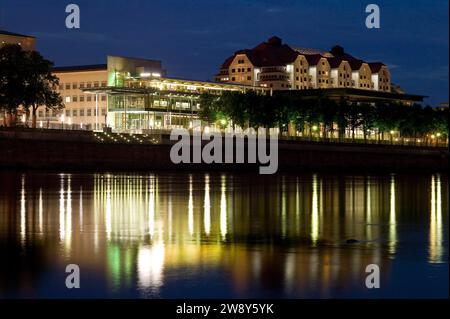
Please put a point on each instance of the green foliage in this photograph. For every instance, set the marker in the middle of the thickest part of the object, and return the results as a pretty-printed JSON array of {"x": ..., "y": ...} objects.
[
  {"x": 26, "y": 80},
  {"x": 278, "y": 110}
]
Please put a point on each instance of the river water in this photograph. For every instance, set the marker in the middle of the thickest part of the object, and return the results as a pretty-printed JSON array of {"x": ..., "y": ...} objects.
[{"x": 223, "y": 235}]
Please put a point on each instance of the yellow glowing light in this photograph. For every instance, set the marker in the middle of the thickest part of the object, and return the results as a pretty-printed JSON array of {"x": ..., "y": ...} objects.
[
  {"x": 315, "y": 128},
  {"x": 438, "y": 134},
  {"x": 392, "y": 132},
  {"x": 433, "y": 136}
]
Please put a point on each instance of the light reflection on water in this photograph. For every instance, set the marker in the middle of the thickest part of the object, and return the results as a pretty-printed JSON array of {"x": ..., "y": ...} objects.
[{"x": 222, "y": 235}]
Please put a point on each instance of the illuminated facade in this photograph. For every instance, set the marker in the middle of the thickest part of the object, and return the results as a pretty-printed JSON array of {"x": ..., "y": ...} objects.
[
  {"x": 83, "y": 111},
  {"x": 140, "y": 99},
  {"x": 278, "y": 66}
]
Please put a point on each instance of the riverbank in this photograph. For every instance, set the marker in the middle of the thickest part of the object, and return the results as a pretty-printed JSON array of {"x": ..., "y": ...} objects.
[{"x": 84, "y": 150}]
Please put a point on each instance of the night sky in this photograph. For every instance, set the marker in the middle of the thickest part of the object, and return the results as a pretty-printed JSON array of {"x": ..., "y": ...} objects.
[{"x": 192, "y": 38}]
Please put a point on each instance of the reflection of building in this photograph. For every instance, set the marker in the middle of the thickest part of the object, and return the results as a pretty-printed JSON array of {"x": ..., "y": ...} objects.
[
  {"x": 286, "y": 236},
  {"x": 27, "y": 42},
  {"x": 278, "y": 66}
]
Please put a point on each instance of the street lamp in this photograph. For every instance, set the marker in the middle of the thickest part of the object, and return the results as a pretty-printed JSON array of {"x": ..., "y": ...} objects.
[{"x": 62, "y": 118}]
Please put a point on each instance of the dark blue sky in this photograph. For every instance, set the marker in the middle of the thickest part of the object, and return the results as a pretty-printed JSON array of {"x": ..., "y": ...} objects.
[{"x": 192, "y": 38}]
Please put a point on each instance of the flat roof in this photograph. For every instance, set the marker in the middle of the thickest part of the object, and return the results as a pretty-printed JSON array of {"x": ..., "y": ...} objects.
[
  {"x": 4, "y": 32},
  {"x": 81, "y": 68},
  {"x": 198, "y": 82},
  {"x": 352, "y": 93}
]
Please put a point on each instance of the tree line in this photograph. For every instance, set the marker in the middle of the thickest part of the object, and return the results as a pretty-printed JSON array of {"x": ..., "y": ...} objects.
[
  {"x": 323, "y": 116},
  {"x": 26, "y": 82}
]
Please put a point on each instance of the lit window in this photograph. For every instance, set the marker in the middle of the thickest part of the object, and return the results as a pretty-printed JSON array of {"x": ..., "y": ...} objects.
[{"x": 67, "y": 99}]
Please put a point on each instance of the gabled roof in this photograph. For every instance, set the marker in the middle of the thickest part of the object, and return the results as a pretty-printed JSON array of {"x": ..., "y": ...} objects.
[
  {"x": 4, "y": 32},
  {"x": 313, "y": 59},
  {"x": 274, "y": 53},
  {"x": 227, "y": 62},
  {"x": 375, "y": 67},
  {"x": 270, "y": 53},
  {"x": 335, "y": 62},
  {"x": 356, "y": 64}
]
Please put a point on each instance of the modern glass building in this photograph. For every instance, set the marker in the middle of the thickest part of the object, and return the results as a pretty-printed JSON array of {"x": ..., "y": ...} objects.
[{"x": 141, "y": 98}]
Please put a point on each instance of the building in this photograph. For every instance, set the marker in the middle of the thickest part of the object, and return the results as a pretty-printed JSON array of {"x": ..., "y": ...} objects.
[
  {"x": 145, "y": 99},
  {"x": 89, "y": 111},
  {"x": 278, "y": 66},
  {"x": 27, "y": 42},
  {"x": 80, "y": 109}
]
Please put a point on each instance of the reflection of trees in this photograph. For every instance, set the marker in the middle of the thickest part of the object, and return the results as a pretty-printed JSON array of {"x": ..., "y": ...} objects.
[
  {"x": 280, "y": 234},
  {"x": 21, "y": 266}
]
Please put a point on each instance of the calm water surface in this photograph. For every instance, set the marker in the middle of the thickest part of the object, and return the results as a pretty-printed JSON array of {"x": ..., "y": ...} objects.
[{"x": 178, "y": 235}]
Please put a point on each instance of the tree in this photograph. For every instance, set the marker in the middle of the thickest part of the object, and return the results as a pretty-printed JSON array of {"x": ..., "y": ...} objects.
[
  {"x": 367, "y": 118},
  {"x": 353, "y": 118},
  {"x": 26, "y": 81},
  {"x": 208, "y": 108},
  {"x": 12, "y": 80},
  {"x": 40, "y": 85},
  {"x": 341, "y": 117},
  {"x": 328, "y": 111}
]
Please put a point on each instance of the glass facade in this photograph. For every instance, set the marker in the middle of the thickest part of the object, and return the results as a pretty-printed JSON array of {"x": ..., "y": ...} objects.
[{"x": 140, "y": 104}]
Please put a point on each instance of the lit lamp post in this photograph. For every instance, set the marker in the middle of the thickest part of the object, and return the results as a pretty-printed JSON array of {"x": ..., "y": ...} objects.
[
  {"x": 63, "y": 118},
  {"x": 392, "y": 132},
  {"x": 314, "y": 128}
]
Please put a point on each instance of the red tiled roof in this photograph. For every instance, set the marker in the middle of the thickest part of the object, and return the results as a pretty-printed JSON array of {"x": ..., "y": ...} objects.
[
  {"x": 270, "y": 53},
  {"x": 227, "y": 62},
  {"x": 335, "y": 62},
  {"x": 355, "y": 64},
  {"x": 274, "y": 53},
  {"x": 313, "y": 59},
  {"x": 375, "y": 67}
]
